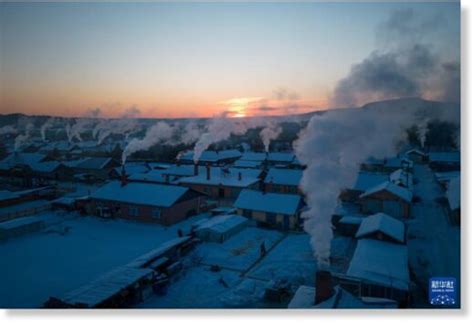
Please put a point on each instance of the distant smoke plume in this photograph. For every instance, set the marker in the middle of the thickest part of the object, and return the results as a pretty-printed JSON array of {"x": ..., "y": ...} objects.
[
  {"x": 69, "y": 135},
  {"x": 8, "y": 129},
  {"x": 405, "y": 65},
  {"x": 23, "y": 138},
  {"x": 270, "y": 133},
  {"x": 47, "y": 125},
  {"x": 160, "y": 132},
  {"x": 125, "y": 125},
  {"x": 190, "y": 133},
  {"x": 332, "y": 147}
]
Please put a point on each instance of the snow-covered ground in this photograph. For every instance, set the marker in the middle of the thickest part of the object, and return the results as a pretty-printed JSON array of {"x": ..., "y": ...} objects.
[
  {"x": 240, "y": 251},
  {"x": 433, "y": 243},
  {"x": 71, "y": 253}
]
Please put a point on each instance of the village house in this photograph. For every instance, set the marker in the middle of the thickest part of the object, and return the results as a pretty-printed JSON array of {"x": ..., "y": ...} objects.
[
  {"x": 222, "y": 183},
  {"x": 218, "y": 229},
  {"x": 382, "y": 227},
  {"x": 281, "y": 211},
  {"x": 254, "y": 156},
  {"x": 373, "y": 165},
  {"x": 32, "y": 170},
  {"x": 445, "y": 161},
  {"x": 326, "y": 294},
  {"x": 94, "y": 168},
  {"x": 387, "y": 198},
  {"x": 416, "y": 155},
  {"x": 395, "y": 163},
  {"x": 146, "y": 202},
  {"x": 283, "y": 180},
  {"x": 283, "y": 159},
  {"x": 214, "y": 158},
  {"x": 402, "y": 178},
  {"x": 246, "y": 164},
  {"x": 378, "y": 269}
]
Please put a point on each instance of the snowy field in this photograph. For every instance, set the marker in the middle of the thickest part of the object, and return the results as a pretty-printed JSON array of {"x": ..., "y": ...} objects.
[
  {"x": 291, "y": 258},
  {"x": 72, "y": 253},
  {"x": 240, "y": 251}
]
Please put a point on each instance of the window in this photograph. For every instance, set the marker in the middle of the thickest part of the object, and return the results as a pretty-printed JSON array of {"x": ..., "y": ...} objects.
[
  {"x": 156, "y": 213},
  {"x": 271, "y": 218},
  {"x": 133, "y": 211},
  {"x": 247, "y": 213}
]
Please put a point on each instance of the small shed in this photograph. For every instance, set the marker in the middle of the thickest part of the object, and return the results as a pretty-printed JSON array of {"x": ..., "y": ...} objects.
[
  {"x": 382, "y": 227},
  {"x": 387, "y": 198},
  {"x": 220, "y": 228}
]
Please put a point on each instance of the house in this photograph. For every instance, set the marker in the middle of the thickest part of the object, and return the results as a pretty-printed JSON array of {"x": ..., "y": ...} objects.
[
  {"x": 98, "y": 168},
  {"x": 280, "y": 158},
  {"x": 382, "y": 227},
  {"x": 348, "y": 225},
  {"x": 379, "y": 269},
  {"x": 121, "y": 287},
  {"x": 396, "y": 163},
  {"x": 146, "y": 202},
  {"x": 402, "y": 178},
  {"x": 373, "y": 165},
  {"x": 453, "y": 194},
  {"x": 445, "y": 177},
  {"x": 387, "y": 198},
  {"x": 32, "y": 169},
  {"x": 416, "y": 155},
  {"x": 222, "y": 183},
  {"x": 332, "y": 296},
  {"x": 247, "y": 164},
  {"x": 254, "y": 156},
  {"x": 275, "y": 210},
  {"x": 218, "y": 229},
  {"x": 283, "y": 180},
  {"x": 445, "y": 161},
  {"x": 214, "y": 158},
  {"x": 364, "y": 181}
]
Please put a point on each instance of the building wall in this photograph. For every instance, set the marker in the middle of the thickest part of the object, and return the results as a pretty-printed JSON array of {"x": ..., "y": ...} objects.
[
  {"x": 214, "y": 191},
  {"x": 144, "y": 213},
  {"x": 386, "y": 203},
  {"x": 278, "y": 188},
  {"x": 263, "y": 218}
]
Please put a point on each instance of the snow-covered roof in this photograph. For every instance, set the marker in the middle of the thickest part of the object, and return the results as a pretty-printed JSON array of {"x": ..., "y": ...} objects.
[
  {"x": 281, "y": 156},
  {"x": 6, "y": 195},
  {"x": 287, "y": 204},
  {"x": 288, "y": 177},
  {"x": 374, "y": 161},
  {"x": 381, "y": 263},
  {"x": 454, "y": 193},
  {"x": 93, "y": 163},
  {"x": 140, "y": 193},
  {"x": 402, "y": 178},
  {"x": 415, "y": 151},
  {"x": 445, "y": 177},
  {"x": 212, "y": 156},
  {"x": 254, "y": 156},
  {"x": 158, "y": 252},
  {"x": 366, "y": 180},
  {"x": 383, "y": 223},
  {"x": 398, "y": 191},
  {"x": 222, "y": 224},
  {"x": 106, "y": 286},
  {"x": 225, "y": 177},
  {"x": 351, "y": 220},
  {"x": 134, "y": 168},
  {"x": 16, "y": 159},
  {"x": 247, "y": 164},
  {"x": 446, "y": 157},
  {"x": 397, "y": 162},
  {"x": 304, "y": 298}
]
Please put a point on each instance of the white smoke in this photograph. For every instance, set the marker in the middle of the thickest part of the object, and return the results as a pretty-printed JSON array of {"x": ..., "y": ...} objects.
[
  {"x": 47, "y": 125},
  {"x": 191, "y": 133},
  {"x": 8, "y": 129},
  {"x": 23, "y": 138},
  {"x": 68, "y": 132},
  {"x": 332, "y": 147},
  {"x": 125, "y": 125},
  {"x": 270, "y": 133},
  {"x": 160, "y": 132}
]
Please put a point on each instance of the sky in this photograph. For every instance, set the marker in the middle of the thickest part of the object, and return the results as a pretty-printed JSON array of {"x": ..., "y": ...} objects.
[{"x": 190, "y": 59}]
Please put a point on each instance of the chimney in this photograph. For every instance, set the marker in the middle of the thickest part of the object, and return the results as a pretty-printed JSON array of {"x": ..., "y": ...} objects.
[
  {"x": 208, "y": 172},
  {"x": 240, "y": 176},
  {"x": 196, "y": 169},
  {"x": 324, "y": 286},
  {"x": 123, "y": 176}
]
